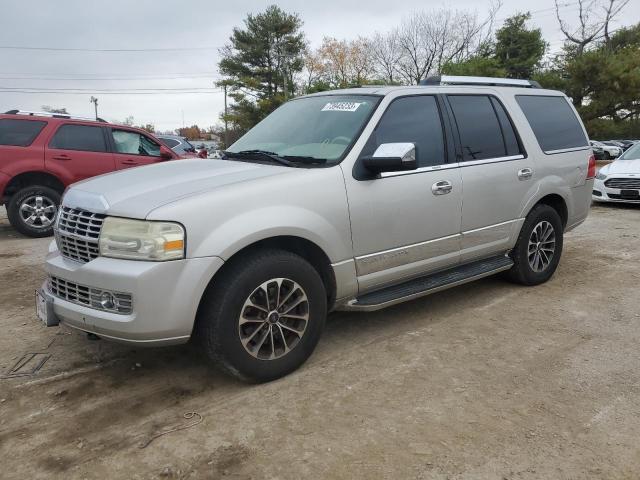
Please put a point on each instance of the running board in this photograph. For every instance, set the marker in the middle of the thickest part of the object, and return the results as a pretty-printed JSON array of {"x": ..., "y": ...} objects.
[{"x": 419, "y": 287}]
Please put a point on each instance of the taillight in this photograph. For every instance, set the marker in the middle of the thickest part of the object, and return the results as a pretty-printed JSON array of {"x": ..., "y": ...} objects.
[{"x": 591, "y": 172}]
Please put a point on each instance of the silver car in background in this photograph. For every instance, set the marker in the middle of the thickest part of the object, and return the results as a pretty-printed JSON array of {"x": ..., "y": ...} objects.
[
  {"x": 354, "y": 199},
  {"x": 178, "y": 144}
]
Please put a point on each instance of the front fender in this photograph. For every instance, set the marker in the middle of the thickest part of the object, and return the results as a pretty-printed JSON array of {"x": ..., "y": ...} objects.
[{"x": 243, "y": 230}]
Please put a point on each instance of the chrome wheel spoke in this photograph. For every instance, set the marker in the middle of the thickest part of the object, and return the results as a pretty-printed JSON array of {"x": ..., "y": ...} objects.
[
  {"x": 297, "y": 332},
  {"x": 284, "y": 340}
]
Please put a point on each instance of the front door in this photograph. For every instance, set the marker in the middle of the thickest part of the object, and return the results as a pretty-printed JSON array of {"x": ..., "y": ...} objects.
[
  {"x": 132, "y": 149},
  {"x": 406, "y": 223},
  {"x": 78, "y": 151}
]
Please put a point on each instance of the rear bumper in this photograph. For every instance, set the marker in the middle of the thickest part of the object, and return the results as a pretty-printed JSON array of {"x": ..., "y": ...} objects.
[{"x": 165, "y": 297}]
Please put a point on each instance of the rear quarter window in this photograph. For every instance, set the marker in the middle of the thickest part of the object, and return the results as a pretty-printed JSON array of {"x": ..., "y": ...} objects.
[
  {"x": 19, "y": 133},
  {"x": 553, "y": 122}
]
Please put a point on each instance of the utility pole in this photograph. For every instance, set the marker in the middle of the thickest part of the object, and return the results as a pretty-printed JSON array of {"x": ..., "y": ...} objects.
[
  {"x": 94, "y": 100},
  {"x": 226, "y": 126}
]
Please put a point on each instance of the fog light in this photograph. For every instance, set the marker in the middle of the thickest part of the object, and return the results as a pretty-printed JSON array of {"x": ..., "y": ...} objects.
[{"x": 107, "y": 301}]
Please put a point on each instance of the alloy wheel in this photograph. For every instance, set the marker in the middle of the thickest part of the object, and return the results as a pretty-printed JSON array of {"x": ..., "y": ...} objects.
[
  {"x": 38, "y": 211},
  {"x": 273, "y": 319},
  {"x": 542, "y": 246}
]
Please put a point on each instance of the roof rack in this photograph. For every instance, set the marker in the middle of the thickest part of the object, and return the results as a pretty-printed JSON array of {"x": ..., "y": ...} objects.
[
  {"x": 486, "y": 81},
  {"x": 53, "y": 115}
]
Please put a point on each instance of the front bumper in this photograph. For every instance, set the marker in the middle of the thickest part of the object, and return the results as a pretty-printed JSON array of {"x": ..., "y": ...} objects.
[
  {"x": 601, "y": 193},
  {"x": 4, "y": 181},
  {"x": 165, "y": 296}
]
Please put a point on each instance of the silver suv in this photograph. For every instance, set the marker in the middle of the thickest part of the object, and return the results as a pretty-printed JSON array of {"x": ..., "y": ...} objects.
[{"x": 355, "y": 199}]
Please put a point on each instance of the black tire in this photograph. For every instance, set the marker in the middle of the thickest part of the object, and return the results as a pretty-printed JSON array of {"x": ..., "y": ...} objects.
[
  {"x": 607, "y": 156},
  {"x": 38, "y": 228},
  {"x": 522, "y": 271},
  {"x": 217, "y": 323}
]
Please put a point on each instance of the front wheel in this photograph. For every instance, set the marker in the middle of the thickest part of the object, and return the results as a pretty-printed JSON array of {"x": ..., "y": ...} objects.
[
  {"x": 539, "y": 246},
  {"x": 263, "y": 316},
  {"x": 32, "y": 210}
]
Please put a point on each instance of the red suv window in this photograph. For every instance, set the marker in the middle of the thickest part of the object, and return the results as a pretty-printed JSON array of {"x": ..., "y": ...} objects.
[
  {"x": 79, "y": 137},
  {"x": 19, "y": 133}
]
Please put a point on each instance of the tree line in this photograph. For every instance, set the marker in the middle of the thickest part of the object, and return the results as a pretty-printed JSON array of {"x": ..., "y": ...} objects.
[{"x": 268, "y": 60}]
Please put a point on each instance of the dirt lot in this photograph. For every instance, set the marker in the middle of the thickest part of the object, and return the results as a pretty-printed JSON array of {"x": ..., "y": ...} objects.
[{"x": 489, "y": 380}]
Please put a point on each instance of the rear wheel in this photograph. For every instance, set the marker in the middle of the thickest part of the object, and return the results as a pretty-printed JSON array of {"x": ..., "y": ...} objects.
[
  {"x": 263, "y": 316},
  {"x": 539, "y": 247},
  {"x": 32, "y": 210}
]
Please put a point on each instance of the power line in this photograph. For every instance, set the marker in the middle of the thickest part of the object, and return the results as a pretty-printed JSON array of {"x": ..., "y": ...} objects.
[
  {"x": 124, "y": 75},
  {"x": 49, "y": 92},
  {"x": 103, "y": 90},
  {"x": 106, "y": 50},
  {"x": 187, "y": 77}
]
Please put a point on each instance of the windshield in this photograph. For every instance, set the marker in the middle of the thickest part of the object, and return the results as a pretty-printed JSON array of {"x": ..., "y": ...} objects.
[
  {"x": 633, "y": 153},
  {"x": 320, "y": 127}
]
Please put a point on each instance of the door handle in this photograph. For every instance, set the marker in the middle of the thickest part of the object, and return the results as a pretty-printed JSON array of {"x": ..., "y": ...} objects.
[
  {"x": 61, "y": 157},
  {"x": 525, "y": 174},
  {"x": 129, "y": 162},
  {"x": 441, "y": 188}
]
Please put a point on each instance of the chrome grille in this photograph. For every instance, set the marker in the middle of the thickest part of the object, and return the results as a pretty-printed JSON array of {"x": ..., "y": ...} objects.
[
  {"x": 89, "y": 296},
  {"x": 623, "y": 183},
  {"x": 77, "y": 233}
]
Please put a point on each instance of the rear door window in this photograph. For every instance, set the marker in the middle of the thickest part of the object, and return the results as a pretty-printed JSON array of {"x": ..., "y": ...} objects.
[
  {"x": 134, "y": 143},
  {"x": 414, "y": 119},
  {"x": 79, "y": 137},
  {"x": 553, "y": 122},
  {"x": 19, "y": 133},
  {"x": 479, "y": 127}
]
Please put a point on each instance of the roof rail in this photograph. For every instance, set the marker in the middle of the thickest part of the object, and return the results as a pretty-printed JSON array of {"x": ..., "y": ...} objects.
[
  {"x": 53, "y": 115},
  {"x": 486, "y": 81}
]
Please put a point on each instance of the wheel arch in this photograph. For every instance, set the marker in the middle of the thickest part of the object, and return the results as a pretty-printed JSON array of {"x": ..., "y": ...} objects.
[
  {"x": 558, "y": 203},
  {"x": 35, "y": 177},
  {"x": 303, "y": 247}
]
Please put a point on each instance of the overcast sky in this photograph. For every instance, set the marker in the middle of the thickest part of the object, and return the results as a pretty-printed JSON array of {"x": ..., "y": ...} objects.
[{"x": 160, "y": 24}]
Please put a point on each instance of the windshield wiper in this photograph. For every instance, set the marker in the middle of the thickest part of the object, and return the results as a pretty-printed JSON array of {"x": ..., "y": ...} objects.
[
  {"x": 260, "y": 154},
  {"x": 307, "y": 160}
]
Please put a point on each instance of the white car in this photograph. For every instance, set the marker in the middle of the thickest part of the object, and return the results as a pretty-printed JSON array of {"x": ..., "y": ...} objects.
[
  {"x": 620, "y": 180},
  {"x": 610, "y": 151}
]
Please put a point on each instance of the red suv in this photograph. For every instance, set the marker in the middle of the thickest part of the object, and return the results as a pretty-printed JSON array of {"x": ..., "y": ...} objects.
[{"x": 40, "y": 154}]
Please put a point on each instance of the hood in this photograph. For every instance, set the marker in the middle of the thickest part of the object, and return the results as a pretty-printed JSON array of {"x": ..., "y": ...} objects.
[
  {"x": 136, "y": 191},
  {"x": 622, "y": 167}
]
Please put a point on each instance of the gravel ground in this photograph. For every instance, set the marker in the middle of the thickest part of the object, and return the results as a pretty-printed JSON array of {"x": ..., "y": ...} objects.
[{"x": 489, "y": 380}]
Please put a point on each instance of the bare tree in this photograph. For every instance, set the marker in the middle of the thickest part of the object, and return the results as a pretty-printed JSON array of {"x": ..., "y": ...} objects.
[
  {"x": 428, "y": 40},
  {"x": 360, "y": 61},
  {"x": 313, "y": 71},
  {"x": 385, "y": 54},
  {"x": 594, "y": 19}
]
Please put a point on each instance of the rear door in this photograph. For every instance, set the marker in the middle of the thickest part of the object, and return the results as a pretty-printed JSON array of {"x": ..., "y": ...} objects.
[
  {"x": 132, "y": 148},
  {"x": 78, "y": 151},
  {"x": 496, "y": 174}
]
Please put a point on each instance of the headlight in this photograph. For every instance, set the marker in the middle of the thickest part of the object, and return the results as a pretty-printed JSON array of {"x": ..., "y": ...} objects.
[
  {"x": 601, "y": 176},
  {"x": 141, "y": 239}
]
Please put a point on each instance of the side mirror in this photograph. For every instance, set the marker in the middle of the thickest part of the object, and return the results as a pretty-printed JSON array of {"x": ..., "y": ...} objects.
[
  {"x": 392, "y": 157},
  {"x": 165, "y": 153}
]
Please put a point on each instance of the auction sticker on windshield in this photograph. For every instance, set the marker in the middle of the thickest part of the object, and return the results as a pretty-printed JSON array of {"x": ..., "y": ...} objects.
[{"x": 341, "y": 106}]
